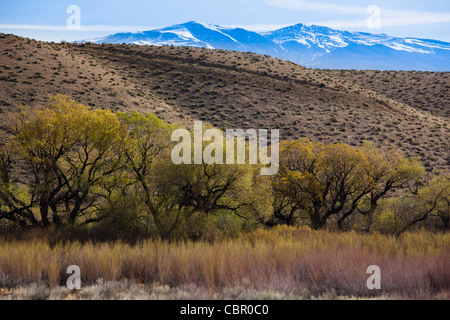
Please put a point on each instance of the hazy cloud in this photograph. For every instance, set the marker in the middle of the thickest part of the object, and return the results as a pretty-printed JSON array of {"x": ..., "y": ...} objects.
[
  {"x": 389, "y": 17},
  {"x": 83, "y": 28}
]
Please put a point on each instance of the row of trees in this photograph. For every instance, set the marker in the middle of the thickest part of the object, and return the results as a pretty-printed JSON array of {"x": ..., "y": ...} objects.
[
  {"x": 66, "y": 164},
  {"x": 318, "y": 183}
]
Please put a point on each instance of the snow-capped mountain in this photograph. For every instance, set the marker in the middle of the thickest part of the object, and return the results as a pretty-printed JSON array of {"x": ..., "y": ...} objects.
[
  {"x": 195, "y": 34},
  {"x": 311, "y": 46},
  {"x": 322, "y": 47}
]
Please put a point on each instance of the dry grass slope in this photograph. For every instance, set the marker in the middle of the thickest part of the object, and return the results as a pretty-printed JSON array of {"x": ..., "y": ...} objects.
[
  {"x": 426, "y": 91},
  {"x": 235, "y": 90}
]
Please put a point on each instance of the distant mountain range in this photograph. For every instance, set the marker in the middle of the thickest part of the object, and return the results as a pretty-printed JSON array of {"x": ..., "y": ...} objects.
[{"x": 310, "y": 46}]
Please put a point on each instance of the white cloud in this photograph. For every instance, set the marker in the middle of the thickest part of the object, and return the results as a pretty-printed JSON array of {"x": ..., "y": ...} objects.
[
  {"x": 316, "y": 6},
  {"x": 83, "y": 28},
  {"x": 405, "y": 18},
  {"x": 389, "y": 17},
  {"x": 254, "y": 27}
]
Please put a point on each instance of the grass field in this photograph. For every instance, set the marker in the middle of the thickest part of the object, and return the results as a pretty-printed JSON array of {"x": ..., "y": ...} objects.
[{"x": 282, "y": 263}]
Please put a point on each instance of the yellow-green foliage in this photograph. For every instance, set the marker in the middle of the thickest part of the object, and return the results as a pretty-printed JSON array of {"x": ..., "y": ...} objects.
[
  {"x": 68, "y": 164},
  {"x": 387, "y": 221},
  {"x": 58, "y": 158},
  {"x": 319, "y": 182},
  {"x": 435, "y": 198}
]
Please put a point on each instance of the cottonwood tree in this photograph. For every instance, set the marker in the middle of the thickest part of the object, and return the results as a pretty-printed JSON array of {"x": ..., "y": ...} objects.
[
  {"x": 238, "y": 189},
  {"x": 295, "y": 186},
  {"x": 213, "y": 187},
  {"x": 389, "y": 170},
  {"x": 172, "y": 193},
  {"x": 318, "y": 182},
  {"x": 16, "y": 203},
  {"x": 433, "y": 200},
  {"x": 149, "y": 139},
  {"x": 61, "y": 156}
]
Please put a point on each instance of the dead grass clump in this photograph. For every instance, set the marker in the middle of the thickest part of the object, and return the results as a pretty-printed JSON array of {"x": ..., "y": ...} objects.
[{"x": 297, "y": 261}]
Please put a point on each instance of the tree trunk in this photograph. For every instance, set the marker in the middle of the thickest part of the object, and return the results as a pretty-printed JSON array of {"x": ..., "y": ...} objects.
[
  {"x": 43, "y": 208},
  {"x": 316, "y": 221},
  {"x": 445, "y": 222}
]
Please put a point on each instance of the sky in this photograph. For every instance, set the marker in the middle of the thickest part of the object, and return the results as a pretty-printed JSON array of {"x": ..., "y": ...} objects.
[{"x": 57, "y": 20}]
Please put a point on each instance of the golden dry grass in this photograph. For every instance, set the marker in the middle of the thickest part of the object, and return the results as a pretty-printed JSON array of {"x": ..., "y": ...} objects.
[{"x": 281, "y": 260}]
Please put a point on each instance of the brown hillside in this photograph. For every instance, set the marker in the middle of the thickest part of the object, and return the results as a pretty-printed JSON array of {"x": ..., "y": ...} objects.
[
  {"x": 229, "y": 90},
  {"x": 426, "y": 91}
]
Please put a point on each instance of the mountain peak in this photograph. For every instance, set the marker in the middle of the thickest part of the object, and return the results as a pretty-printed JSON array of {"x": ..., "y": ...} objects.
[{"x": 311, "y": 46}]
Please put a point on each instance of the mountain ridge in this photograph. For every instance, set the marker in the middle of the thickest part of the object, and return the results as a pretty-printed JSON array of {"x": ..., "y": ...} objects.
[{"x": 311, "y": 46}]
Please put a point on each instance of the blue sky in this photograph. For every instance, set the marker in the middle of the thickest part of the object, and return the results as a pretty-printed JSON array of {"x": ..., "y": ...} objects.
[{"x": 47, "y": 20}]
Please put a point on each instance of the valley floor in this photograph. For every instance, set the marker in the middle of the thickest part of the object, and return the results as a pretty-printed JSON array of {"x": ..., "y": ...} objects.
[
  {"x": 281, "y": 263},
  {"x": 127, "y": 290}
]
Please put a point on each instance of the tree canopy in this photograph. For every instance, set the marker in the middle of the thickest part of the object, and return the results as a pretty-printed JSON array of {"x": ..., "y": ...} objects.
[{"x": 67, "y": 164}]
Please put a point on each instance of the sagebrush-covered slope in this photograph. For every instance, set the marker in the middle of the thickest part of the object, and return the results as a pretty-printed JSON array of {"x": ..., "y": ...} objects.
[{"x": 229, "y": 90}]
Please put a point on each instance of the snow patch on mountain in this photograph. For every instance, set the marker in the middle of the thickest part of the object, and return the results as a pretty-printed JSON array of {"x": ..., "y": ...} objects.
[{"x": 314, "y": 46}]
